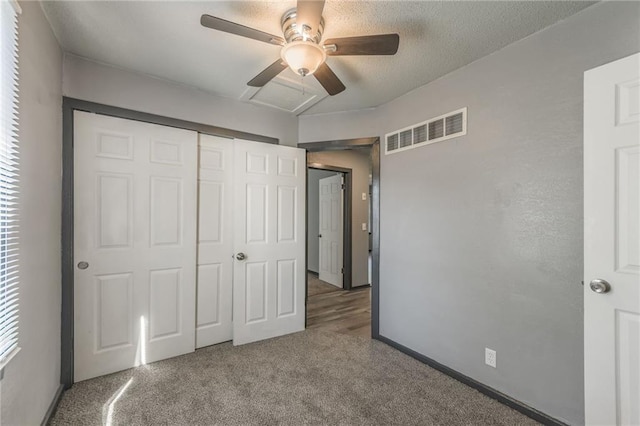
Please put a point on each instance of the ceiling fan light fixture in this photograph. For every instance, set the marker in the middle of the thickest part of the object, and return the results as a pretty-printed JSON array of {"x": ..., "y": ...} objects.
[{"x": 303, "y": 57}]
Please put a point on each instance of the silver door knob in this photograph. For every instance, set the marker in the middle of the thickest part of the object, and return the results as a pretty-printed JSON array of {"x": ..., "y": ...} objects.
[
  {"x": 241, "y": 256},
  {"x": 83, "y": 265},
  {"x": 600, "y": 286}
]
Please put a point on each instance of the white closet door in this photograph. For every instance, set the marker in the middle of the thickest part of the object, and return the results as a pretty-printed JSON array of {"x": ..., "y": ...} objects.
[
  {"x": 331, "y": 233},
  {"x": 134, "y": 243},
  {"x": 269, "y": 232},
  {"x": 215, "y": 241}
]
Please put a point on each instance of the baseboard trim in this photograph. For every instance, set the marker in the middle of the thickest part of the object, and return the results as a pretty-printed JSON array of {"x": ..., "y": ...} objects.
[
  {"x": 536, "y": 415},
  {"x": 360, "y": 287},
  {"x": 53, "y": 407},
  {"x": 309, "y": 271}
]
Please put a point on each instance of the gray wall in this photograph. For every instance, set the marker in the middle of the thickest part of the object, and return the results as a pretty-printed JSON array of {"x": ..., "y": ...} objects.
[
  {"x": 313, "y": 224},
  {"x": 33, "y": 376},
  {"x": 340, "y": 125},
  {"x": 108, "y": 85},
  {"x": 360, "y": 163},
  {"x": 482, "y": 236}
]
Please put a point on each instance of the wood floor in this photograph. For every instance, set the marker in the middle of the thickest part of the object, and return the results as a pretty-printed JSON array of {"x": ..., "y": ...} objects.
[{"x": 332, "y": 309}]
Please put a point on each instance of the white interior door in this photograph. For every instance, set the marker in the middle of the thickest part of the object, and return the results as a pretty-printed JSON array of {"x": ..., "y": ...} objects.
[
  {"x": 331, "y": 224},
  {"x": 612, "y": 243},
  {"x": 134, "y": 243},
  {"x": 269, "y": 241},
  {"x": 215, "y": 241}
]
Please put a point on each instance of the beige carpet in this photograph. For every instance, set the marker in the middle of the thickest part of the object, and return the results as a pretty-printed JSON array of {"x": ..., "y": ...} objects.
[{"x": 310, "y": 377}]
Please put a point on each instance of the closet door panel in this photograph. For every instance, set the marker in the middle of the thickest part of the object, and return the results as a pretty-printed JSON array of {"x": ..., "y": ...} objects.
[
  {"x": 134, "y": 243},
  {"x": 215, "y": 241}
]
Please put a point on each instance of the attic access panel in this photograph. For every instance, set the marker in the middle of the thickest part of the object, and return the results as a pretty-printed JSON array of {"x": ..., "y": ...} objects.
[{"x": 285, "y": 94}]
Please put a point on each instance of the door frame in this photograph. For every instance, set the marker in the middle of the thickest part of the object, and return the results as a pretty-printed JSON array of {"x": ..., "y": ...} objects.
[
  {"x": 69, "y": 105},
  {"x": 346, "y": 218},
  {"x": 374, "y": 144}
]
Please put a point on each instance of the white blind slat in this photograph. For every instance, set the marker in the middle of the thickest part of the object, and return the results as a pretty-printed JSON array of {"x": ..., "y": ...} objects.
[{"x": 9, "y": 181}]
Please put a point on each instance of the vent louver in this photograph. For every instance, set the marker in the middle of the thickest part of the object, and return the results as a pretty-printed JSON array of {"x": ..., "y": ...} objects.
[
  {"x": 437, "y": 129},
  {"x": 405, "y": 138},
  {"x": 420, "y": 134},
  {"x": 454, "y": 124},
  {"x": 392, "y": 142}
]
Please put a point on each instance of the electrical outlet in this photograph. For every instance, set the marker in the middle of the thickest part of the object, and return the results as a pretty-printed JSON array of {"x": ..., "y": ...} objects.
[{"x": 490, "y": 357}]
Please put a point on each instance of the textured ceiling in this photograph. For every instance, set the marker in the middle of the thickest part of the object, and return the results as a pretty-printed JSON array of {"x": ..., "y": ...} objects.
[{"x": 166, "y": 40}]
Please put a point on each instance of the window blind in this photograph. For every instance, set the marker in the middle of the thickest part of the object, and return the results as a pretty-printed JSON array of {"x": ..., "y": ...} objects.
[{"x": 9, "y": 183}]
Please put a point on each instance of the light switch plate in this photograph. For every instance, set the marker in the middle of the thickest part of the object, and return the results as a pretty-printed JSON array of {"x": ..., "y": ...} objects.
[
  {"x": 364, "y": 226},
  {"x": 364, "y": 196}
]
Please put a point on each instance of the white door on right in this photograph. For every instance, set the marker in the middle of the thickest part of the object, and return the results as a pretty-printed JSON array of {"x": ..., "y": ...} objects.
[
  {"x": 330, "y": 237},
  {"x": 612, "y": 243},
  {"x": 269, "y": 241}
]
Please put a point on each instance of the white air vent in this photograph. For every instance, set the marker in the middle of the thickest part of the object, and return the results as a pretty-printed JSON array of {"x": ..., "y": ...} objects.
[{"x": 437, "y": 129}]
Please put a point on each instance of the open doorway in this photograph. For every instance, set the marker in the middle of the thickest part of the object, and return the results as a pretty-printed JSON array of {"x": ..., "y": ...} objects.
[
  {"x": 330, "y": 233},
  {"x": 339, "y": 243},
  {"x": 329, "y": 224}
]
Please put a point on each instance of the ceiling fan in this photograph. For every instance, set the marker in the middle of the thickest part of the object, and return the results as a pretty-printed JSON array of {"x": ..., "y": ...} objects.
[{"x": 302, "y": 50}]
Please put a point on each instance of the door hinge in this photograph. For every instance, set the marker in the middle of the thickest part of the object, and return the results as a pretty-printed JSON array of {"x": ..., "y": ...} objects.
[
  {"x": 343, "y": 186},
  {"x": 342, "y": 270}
]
